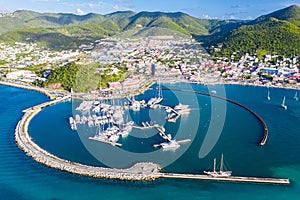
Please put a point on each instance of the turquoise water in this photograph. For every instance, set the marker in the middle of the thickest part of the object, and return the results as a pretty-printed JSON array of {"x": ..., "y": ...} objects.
[{"x": 23, "y": 178}]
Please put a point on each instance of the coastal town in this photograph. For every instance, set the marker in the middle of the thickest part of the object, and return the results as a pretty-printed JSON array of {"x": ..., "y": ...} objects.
[{"x": 171, "y": 59}]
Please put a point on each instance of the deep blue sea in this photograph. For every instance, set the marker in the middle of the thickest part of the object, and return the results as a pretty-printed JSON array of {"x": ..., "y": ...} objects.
[{"x": 237, "y": 138}]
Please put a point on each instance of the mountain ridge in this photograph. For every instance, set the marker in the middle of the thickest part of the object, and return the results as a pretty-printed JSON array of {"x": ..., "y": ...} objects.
[{"x": 282, "y": 24}]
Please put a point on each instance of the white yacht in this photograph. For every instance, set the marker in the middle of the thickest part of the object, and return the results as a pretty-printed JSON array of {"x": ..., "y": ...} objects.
[
  {"x": 72, "y": 123},
  {"x": 172, "y": 144},
  {"x": 135, "y": 105},
  {"x": 220, "y": 173},
  {"x": 113, "y": 138}
]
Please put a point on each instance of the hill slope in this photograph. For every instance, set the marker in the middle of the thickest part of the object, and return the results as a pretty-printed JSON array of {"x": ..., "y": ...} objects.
[
  {"x": 290, "y": 14},
  {"x": 266, "y": 34},
  {"x": 277, "y": 32},
  {"x": 29, "y": 19}
]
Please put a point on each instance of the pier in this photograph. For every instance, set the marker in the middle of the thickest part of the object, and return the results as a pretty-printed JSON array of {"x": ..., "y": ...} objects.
[
  {"x": 105, "y": 141},
  {"x": 264, "y": 125},
  {"x": 237, "y": 179}
]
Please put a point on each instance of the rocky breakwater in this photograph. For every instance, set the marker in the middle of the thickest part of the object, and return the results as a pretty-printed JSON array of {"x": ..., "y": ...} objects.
[{"x": 145, "y": 171}]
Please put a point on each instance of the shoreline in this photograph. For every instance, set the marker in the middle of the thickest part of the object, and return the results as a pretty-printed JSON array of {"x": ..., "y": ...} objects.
[
  {"x": 44, "y": 91},
  {"x": 49, "y": 92}
]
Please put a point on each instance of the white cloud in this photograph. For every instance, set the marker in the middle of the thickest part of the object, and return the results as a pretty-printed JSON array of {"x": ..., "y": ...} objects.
[
  {"x": 232, "y": 17},
  {"x": 116, "y": 7},
  {"x": 205, "y": 16},
  {"x": 80, "y": 12},
  {"x": 90, "y": 5}
]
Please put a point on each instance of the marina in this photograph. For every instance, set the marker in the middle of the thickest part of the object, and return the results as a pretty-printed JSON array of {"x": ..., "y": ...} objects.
[
  {"x": 139, "y": 172},
  {"x": 110, "y": 119}
]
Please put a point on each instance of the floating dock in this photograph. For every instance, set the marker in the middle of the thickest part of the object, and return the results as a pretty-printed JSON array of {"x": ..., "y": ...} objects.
[{"x": 105, "y": 141}]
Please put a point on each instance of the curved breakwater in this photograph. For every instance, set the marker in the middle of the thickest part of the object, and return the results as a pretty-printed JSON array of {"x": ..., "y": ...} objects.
[
  {"x": 139, "y": 172},
  {"x": 264, "y": 125}
]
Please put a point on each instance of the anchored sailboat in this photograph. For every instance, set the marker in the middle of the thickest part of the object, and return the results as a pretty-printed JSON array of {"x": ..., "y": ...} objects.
[
  {"x": 296, "y": 96},
  {"x": 219, "y": 173},
  {"x": 283, "y": 104},
  {"x": 268, "y": 97}
]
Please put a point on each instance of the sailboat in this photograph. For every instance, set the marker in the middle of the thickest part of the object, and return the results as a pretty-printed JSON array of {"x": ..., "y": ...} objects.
[
  {"x": 296, "y": 96},
  {"x": 156, "y": 100},
  {"x": 283, "y": 104},
  {"x": 268, "y": 97},
  {"x": 219, "y": 173}
]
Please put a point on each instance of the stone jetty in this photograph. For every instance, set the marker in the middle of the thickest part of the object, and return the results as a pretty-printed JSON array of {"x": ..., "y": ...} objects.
[{"x": 139, "y": 172}]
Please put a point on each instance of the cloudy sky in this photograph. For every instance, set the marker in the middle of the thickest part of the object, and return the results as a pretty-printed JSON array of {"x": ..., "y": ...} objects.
[{"x": 221, "y": 9}]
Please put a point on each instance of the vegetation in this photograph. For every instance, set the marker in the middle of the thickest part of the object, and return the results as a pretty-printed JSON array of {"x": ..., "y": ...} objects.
[
  {"x": 269, "y": 37},
  {"x": 277, "y": 32},
  {"x": 64, "y": 76},
  {"x": 87, "y": 80},
  {"x": 265, "y": 35},
  {"x": 65, "y": 31}
]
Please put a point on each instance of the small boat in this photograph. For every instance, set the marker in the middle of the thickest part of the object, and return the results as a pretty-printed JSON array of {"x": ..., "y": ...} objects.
[
  {"x": 172, "y": 144},
  {"x": 268, "y": 97},
  {"x": 220, "y": 173},
  {"x": 283, "y": 104},
  {"x": 296, "y": 96},
  {"x": 72, "y": 123}
]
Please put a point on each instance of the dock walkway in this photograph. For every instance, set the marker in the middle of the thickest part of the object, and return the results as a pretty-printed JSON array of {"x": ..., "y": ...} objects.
[{"x": 226, "y": 179}]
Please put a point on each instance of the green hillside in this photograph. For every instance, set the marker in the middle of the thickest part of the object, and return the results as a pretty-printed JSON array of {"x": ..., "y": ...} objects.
[
  {"x": 290, "y": 14},
  {"x": 175, "y": 21},
  {"x": 277, "y": 32},
  {"x": 266, "y": 34},
  {"x": 272, "y": 36},
  {"x": 121, "y": 18},
  {"x": 68, "y": 37},
  {"x": 151, "y": 31},
  {"x": 29, "y": 19}
]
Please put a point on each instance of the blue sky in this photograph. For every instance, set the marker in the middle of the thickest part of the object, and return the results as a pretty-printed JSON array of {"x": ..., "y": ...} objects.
[{"x": 221, "y": 9}]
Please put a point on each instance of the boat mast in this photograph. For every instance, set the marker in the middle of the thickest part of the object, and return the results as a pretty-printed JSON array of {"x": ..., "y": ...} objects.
[
  {"x": 159, "y": 90},
  {"x": 221, "y": 164},
  {"x": 283, "y": 101},
  {"x": 215, "y": 162}
]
